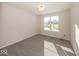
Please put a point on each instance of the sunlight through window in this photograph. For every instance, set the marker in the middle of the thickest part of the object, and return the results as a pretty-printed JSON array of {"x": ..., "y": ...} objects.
[
  {"x": 65, "y": 48},
  {"x": 77, "y": 34},
  {"x": 50, "y": 49},
  {"x": 51, "y": 23}
]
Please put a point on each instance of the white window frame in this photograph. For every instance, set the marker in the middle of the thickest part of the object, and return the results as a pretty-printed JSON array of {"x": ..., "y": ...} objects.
[{"x": 50, "y": 24}]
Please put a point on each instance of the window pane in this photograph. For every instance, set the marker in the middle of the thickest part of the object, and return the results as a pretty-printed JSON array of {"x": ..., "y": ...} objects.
[
  {"x": 46, "y": 19},
  {"x": 46, "y": 23},
  {"x": 51, "y": 23},
  {"x": 55, "y": 23},
  {"x": 55, "y": 19}
]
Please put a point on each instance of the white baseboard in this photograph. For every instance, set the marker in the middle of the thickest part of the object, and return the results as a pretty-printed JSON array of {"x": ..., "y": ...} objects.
[{"x": 12, "y": 43}]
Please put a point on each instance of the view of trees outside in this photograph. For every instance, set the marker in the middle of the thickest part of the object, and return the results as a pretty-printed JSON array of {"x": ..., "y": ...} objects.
[
  {"x": 54, "y": 23},
  {"x": 51, "y": 23}
]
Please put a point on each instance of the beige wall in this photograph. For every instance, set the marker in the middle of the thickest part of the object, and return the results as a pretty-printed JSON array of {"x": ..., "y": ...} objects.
[
  {"x": 75, "y": 27},
  {"x": 0, "y": 22},
  {"x": 63, "y": 25},
  {"x": 16, "y": 25}
]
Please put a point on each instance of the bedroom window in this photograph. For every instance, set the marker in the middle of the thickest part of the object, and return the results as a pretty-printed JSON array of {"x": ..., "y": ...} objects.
[{"x": 51, "y": 23}]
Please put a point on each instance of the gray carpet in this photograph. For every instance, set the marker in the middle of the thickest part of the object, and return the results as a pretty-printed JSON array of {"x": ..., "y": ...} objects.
[{"x": 39, "y": 45}]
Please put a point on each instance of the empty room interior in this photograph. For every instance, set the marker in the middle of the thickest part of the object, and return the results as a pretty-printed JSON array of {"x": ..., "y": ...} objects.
[{"x": 39, "y": 29}]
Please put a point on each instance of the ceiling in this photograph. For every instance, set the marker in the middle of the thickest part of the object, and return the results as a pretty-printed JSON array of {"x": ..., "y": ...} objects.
[{"x": 50, "y": 6}]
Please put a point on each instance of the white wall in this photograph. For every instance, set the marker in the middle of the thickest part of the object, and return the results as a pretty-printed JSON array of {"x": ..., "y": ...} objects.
[
  {"x": 17, "y": 24},
  {"x": 63, "y": 25},
  {"x": 75, "y": 27}
]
